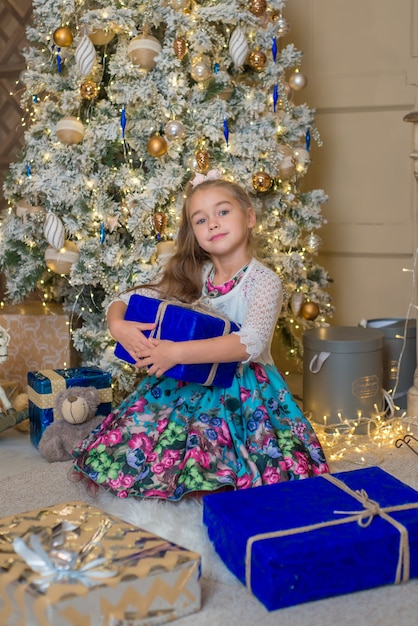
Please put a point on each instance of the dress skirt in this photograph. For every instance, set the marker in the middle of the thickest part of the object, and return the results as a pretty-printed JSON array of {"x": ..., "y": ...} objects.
[{"x": 169, "y": 438}]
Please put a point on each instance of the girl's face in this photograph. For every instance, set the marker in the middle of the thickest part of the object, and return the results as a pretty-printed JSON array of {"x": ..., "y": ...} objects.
[{"x": 221, "y": 226}]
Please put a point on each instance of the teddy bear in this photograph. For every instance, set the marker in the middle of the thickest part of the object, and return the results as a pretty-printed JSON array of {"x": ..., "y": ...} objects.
[{"x": 76, "y": 410}]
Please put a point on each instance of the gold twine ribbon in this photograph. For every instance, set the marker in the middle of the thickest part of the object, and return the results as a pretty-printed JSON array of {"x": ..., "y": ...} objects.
[
  {"x": 363, "y": 517},
  {"x": 156, "y": 333},
  {"x": 58, "y": 384}
]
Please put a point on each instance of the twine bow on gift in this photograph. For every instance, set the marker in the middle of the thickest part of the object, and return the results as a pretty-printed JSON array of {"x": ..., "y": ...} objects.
[
  {"x": 59, "y": 570},
  {"x": 363, "y": 517},
  {"x": 197, "y": 306}
]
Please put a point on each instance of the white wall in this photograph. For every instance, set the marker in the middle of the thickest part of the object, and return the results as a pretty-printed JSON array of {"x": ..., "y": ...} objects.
[{"x": 360, "y": 57}]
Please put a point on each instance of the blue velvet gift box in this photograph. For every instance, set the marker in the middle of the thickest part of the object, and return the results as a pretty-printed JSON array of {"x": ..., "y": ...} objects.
[
  {"x": 45, "y": 385},
  {"x": 178, "y": 322},
  {"x": 311, "y": 539}
]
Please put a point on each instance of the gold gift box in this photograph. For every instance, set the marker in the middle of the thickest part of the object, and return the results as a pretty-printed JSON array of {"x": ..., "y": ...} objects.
[
  {"x": 88, "y": 567},
  {"x": 39, "y": 339}
]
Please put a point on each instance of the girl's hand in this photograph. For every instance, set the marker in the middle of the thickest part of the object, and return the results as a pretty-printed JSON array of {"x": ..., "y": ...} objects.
[
  {"x": 131, "y": 337},
  {"x": 161, "y": 357}
]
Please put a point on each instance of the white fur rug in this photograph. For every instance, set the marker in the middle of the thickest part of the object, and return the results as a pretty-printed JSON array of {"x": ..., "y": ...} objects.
[{"x": 178, "y": 522}]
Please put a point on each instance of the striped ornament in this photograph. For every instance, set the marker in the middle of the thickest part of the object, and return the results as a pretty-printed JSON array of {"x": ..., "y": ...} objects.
[
  {"x": 54, "y": 231},
  {"x": 85, "y": 55},
  {"x": 238, "y": 47}
]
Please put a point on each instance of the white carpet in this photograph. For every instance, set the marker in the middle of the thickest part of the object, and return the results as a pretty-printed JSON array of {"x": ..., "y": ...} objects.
[{"x": 224, "y": 600}]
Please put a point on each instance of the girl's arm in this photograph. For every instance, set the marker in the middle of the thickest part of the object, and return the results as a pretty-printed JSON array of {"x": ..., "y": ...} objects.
[
  {"x": 263, "y": 304},
  {"x": 129, "y": 334}
]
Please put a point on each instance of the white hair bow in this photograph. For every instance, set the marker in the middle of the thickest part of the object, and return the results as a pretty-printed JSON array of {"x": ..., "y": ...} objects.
[{"x": 200, "y": 178}]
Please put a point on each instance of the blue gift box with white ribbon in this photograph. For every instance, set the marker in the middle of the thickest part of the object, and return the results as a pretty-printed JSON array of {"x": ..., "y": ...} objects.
[
  {"x": 45, "y": 385},
  {"x": 178, "y": 322},
  {"x": 311, "y": 539}
]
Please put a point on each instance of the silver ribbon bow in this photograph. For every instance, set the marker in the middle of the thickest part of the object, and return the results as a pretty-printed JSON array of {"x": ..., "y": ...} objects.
[{"x": 60, "y": 571}]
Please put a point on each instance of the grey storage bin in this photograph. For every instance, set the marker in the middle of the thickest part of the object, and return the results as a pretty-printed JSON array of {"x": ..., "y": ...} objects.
[
  {"x": 399, "y": 343},
  {"x": 342, "y": 373}
]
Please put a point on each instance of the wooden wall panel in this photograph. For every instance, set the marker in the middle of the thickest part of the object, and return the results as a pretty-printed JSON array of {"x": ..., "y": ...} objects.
[
  {"x": 14, "y": 16},
  {"x": 360, "y": 58}
]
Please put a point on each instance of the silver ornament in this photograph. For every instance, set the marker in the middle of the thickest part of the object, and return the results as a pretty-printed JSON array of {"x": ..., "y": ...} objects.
[
  {"x": 201, "y": 69},
  {"x": 312, "y": 243},
  {"x": 283, "y": 26},
  {"x": 174, "y": 129}
]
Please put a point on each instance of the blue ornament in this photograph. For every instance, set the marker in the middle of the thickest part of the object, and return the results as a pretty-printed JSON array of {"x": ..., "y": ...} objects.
[
  {"x": 226, "y": 131},
  {"x": 216, "y": 68},
  {"x": 28, "y": 170},
  {"x": 102, "y": 232},
  {"x": 59, "y": 65},
  {"x": 275, "y": 97},
  {"x": 274, "y": 49},
  {"x": 123, "y": 121},
  {"x": 308, "y": 139}
]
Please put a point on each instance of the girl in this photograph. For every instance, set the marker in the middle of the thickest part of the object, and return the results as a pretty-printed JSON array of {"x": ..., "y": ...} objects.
[{"x": 169, "y": 438}]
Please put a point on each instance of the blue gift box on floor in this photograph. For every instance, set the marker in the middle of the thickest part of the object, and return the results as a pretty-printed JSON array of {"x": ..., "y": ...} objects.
[
  {"x": 45, "y": 385},
  {"x": 178, "y": 322},
  {"x": 307, "y": 540}
]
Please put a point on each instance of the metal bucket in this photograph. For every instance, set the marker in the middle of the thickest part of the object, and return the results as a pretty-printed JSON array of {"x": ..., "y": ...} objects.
[
  {"x": 399, "y": 356},
  {"x": 342, "y": 373}
]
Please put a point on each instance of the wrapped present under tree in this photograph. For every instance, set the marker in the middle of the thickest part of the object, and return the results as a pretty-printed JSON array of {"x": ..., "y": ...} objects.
[{"x": 325, "y": 536}]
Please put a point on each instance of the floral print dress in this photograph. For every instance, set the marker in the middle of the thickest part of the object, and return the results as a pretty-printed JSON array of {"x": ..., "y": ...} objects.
[{"x": 170, "y": 438}]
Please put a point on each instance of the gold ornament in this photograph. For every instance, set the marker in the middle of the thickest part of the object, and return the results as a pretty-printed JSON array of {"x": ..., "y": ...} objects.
[
  {"x": 258, "y": 7},
  {"x": 157, "y": 146},
  {"x": 309, "y": 310},
  {"x": 180, "y": 5},
  {"x": 143, "y": 50},
  {"x": 23, "y": 208},
  {"x": 262, "y": 181},
  {"x": 89, "y": 90},
  {"x": 69, "y": 130},
  {"x": 297, "y": 80},
  {"x": 288, "y": 91},
  {"x": 60, "y": 261},
  {"x": 257, "y": 60},
  {"x": 160, "y": 222},
  {"x": 101, "y": 37},
  {"x": 202, "y": 160},
  {"x": 180, "y": 47},
  {"x": 286, "y": 167},
  {"x": 63, "y": 37},
  {"x": 302, "y": 159}
]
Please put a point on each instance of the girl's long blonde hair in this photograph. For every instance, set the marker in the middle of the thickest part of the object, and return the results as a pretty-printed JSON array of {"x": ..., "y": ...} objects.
[{"x": 182, "y": 275}]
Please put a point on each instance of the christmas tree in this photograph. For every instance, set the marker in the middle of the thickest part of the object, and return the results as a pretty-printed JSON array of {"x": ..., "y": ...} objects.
[{"x": 124, "y": 102}]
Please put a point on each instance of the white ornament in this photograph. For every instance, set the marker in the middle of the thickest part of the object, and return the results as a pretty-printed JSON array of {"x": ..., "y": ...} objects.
[
  {"x": 143, "y": 51},
  {"x": 54, "y": 231},
  {"x": 4, "y": 342},
  {"x": 85, "y": 55},
  {"x": 238, "y": 47},
  {"x": 296, "y": 302},
  {"x": 61, "y": 261},
  {"x": 24, "y": 208},
  {"x": 69, "y": 130}
]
